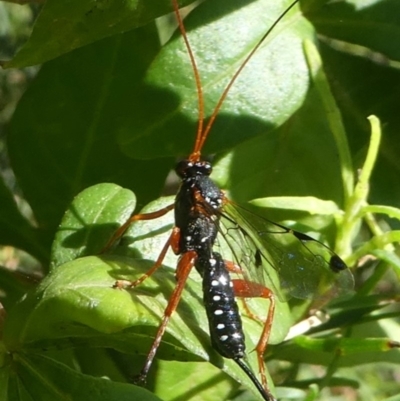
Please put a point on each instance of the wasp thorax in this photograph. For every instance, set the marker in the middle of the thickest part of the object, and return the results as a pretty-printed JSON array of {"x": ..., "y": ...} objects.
[{"x": 187, "y": 168}]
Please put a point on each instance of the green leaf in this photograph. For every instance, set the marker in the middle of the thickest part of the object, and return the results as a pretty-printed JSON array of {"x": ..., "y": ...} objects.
[
  {"x": 392, "y": 212},
  {"x": 307, "y": 204},
  {"x": 73, "y": 289},
  {"x": 38, "y": 377},
  {"x": 90, "y": 221},
  {"x": 388, "y": 256},
  {"x": 284, "y": 164},
  {"x": 60, "y": 145},
  {"x": 271, "y": 87},
  {"x": 176, "y": 378},
  {"x": 145, "y": 238},
  {"x": 353, "y": 351},
  {"x": 63, "y": 27},
  {"x": 375, "y": 25}
]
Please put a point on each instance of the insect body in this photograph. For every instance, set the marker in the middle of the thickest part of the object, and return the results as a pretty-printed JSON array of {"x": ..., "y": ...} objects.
[
  {"x": 201, "y": 213},
  {"x": 198, "y": 210}
]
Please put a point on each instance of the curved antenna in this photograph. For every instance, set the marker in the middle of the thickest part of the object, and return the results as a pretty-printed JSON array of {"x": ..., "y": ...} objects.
[
  {"x": 195, "y": 155},
  {"x": 201, "y": 135},
  {"x": 217, "y": 108}
]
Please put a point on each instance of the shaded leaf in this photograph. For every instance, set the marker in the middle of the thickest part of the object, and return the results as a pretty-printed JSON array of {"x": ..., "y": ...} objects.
[
  {"x": 372, "y": 24},
  {"x": 63, "y": 27},
  {"x": 61, "y": 144},
  {"x": 42, "y": 378},
  {"x": 90, "y": 221}
]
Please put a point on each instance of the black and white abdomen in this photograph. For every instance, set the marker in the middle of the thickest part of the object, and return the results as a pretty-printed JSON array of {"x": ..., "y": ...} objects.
[{"x": 224, "y": 320}]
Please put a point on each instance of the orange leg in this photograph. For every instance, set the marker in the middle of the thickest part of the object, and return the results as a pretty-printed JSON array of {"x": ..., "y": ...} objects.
[
  {"x": 234, "y": 268},
  {"x": 173, "y": 241},
  {"x": 185, "y": 265},
  {"x": 248, "y": 289},
  {"x": 145, "y": 216}
]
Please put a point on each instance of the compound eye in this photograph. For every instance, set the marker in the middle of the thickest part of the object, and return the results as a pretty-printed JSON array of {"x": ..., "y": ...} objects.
[
  {"x": 182, "y": 168},
  {"x": 205, "y": 168}
]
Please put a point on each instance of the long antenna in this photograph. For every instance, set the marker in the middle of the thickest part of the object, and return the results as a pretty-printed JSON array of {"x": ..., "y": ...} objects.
[
  {"x": 239, "y": 70},
  {"x": 202, "y": 134},
  {"x": 200, "y": 97}
]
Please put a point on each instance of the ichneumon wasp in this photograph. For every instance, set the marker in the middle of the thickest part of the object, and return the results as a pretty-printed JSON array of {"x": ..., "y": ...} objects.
[{"x": 292, "y": 263}]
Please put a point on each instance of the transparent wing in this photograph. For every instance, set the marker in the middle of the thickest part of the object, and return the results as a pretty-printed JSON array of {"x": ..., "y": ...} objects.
[{"x": 288, "y": 262}]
